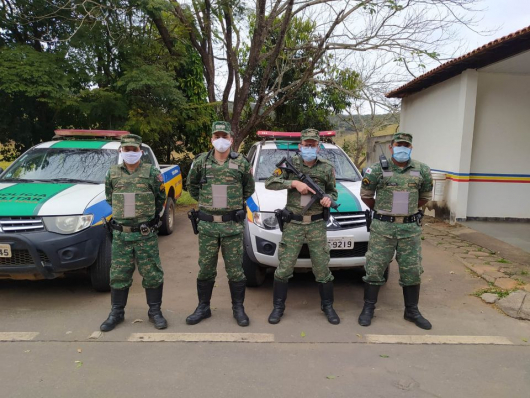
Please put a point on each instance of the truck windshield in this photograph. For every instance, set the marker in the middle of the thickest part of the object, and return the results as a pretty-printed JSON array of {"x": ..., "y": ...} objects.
[
  {"x": 344, "y": 169},
  {"x": 62, "y": 164}
]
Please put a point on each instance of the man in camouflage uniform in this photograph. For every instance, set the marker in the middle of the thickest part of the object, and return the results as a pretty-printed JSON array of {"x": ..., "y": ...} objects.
[
  {"x": 136, "y": 192},
  {"x": 307, "y": 228},
  {"x": 395, "y": 195},
  {"x": 221, "y": 181}
]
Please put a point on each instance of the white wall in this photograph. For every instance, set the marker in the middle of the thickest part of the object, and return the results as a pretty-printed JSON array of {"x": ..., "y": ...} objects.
[
  {"x": 501, "y": 145},
  {"x": 441, "y": 119}
]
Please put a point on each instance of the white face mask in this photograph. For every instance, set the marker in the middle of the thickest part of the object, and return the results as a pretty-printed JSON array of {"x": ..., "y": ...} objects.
[
  {"x": 222, "y": 144},
  {"x": 131, "y": 157}
]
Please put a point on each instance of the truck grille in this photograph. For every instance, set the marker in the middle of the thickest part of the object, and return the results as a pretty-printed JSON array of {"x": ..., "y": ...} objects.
[
  {"x": 18, "y": 257},
  {"x": 21, "y": 224},
  {"x": 22, "y": 257},
  {"x": 349, "y": 220},
  {"x": 359, "y": 250}
]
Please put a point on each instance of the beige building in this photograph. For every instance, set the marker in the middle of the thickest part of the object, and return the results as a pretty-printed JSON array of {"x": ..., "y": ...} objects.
[{"x": 470, "y": 118}]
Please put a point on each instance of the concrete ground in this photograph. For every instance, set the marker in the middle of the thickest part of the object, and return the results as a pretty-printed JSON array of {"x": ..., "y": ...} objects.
[
  {"x": 473, "y": 349},
  {"x": 514, "y": 233}
]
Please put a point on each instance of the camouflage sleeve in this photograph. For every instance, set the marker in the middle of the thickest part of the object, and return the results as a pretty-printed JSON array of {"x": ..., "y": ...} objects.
[
  {"x": 331, "y": 186},
  {"x": 247, "y": 179},
  {"x": 108, "y": 188},
  {"x": 159, "y": 189},
  {"x": 370, "y": 180},
  {"x": 426, "y": 185},
  {"x": 194, "y": 178},
  {"x": 278, "y": 181}
]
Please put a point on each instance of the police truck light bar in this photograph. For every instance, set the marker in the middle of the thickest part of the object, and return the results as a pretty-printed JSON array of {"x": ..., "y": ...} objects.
[
  {"x": 90, "y": 133},
  {"x": 286, "y": 134}
]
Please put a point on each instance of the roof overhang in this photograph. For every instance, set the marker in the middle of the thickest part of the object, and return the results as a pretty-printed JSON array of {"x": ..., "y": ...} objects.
[{"x": 488, "y": 54}]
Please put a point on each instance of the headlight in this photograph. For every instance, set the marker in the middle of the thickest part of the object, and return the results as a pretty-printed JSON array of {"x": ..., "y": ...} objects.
[
  {"x": 332, "y": 224},
  {"x": 68, "y": 224},
  {"x": 266, "y": 220}
]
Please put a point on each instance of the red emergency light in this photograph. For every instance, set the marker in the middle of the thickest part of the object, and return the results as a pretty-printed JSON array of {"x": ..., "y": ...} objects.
[
  {"x": 285, "y": 134},
  {"x": 90, "y": 133}
]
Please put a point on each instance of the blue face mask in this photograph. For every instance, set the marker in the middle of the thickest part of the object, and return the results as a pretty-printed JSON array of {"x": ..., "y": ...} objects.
[
  {"x": 401, "y": 153},
  {"x": 308, "y": 154}
]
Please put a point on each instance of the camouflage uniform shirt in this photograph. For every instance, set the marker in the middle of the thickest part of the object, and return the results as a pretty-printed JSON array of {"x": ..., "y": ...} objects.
[
  {"x": 135, "y": 197},
  {"x": 228, "y": 185},
  {"x": 399, "y": 188},
  {"x": 322, "y": 172}
]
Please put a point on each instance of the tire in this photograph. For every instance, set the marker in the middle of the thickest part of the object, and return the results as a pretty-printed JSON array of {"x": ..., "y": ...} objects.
[
  {"x": 168, "y": 218},
  {"x": 254, "y": 273},
  {"x": 100, "y": 270}
]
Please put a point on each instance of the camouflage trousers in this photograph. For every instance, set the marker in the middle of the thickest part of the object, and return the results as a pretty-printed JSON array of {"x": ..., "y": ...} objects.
[
  {"x": 131, "y": 248},
  {"x": 229, "y": 237},
  {"x": 386, "y": 239},
  {"x": 293, "y": 237}
]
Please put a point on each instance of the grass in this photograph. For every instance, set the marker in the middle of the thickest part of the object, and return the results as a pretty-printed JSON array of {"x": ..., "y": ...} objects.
[
  {"x": 186, "y": 199},
  {"x": 495, "y": 290},
  {"x": 524, "y": 272},
  {"x": 503, "y": 261}
]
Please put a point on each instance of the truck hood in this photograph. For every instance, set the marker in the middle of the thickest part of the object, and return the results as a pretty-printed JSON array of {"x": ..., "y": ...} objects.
[
  {"x": 42, "y": 199},
  {"x": 267, "y": 200}
]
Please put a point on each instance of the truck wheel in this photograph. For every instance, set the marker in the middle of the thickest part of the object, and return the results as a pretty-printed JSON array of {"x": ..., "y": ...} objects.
[
  {"x": 100, "y": 270},
  {"x": 254, "y": 273},
  {"x": 168, "y": 218}
]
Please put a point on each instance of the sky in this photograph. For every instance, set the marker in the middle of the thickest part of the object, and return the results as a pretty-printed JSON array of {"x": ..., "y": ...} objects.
[{"x": 505, "y": 16}]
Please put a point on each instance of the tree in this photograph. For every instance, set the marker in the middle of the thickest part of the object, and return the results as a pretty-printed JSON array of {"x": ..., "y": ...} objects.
[{"x": 410, "y": 30}]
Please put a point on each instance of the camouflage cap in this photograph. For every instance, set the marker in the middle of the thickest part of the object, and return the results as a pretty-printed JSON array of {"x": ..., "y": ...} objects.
[
  {"x": 223, "y": 127},
  {"x": 402, "y": 137},
  {"x": 131, "y": 140},
  {"x": 310, "y": 134}
]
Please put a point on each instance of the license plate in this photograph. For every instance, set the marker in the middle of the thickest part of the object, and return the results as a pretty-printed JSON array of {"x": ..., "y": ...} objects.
[
  {"x": 340, "y": 243},
  {"x": 5, "y": 251}
]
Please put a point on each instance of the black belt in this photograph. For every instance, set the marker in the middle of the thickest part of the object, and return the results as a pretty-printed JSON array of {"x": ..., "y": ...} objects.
[
  {"x": 415, "y": 218},
  {"x": 137, "y": 228},
  {"x": 314, "y": 217},
  {"x": 236, "y": 215}
]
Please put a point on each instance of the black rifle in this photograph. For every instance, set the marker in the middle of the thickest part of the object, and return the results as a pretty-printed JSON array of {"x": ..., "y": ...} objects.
[
  {"x": 368, "y": 217},
  {"x": 285, "y": 164},
  {"x": 108, "y": 229},
  {"x": 193, "y": 215}
]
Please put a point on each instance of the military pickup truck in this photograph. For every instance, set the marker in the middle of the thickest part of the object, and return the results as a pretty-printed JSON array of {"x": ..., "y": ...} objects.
[{"x": 52, "y": 206}]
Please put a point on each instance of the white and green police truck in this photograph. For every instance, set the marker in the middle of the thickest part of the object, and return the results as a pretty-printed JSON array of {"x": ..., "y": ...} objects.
[
  {"x": 52, "y": 203},
  {"x": 346, "y": 227}
]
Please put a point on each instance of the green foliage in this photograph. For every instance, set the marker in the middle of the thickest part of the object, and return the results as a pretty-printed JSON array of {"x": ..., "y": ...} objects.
[
  {"x": 111, "y": 72},
  {"x": 495, "y": 290},
  {"x": 186, "y": 199}
]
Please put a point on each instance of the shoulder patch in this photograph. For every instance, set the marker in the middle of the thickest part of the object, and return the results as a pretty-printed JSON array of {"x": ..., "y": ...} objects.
[
  {"x": 160, "y": 178},
  {"x": 366, "y": 181},
  {"x": 277, "y": 172},
  {"x": 368, "y": 170}
]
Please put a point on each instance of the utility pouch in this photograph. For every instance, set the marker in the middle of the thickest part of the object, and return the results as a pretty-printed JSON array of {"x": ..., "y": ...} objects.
[
  {"x": 368, "y": 217},
  {"x": 239, "y": 215},
  {"x": 326, "y": 213}
]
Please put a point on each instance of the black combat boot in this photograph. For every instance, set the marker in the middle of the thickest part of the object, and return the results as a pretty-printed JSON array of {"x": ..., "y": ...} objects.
[
  {"x": 204, "y": 291},
  {"x": 326, "y": 297},
  {"x": 237, "y": 291},
  {"x": 154, "y": 301},
  {"x": 411, "y": 294},
  {"x": 118, "y": 299},
  {"x": 370, "y": 298},
  {"x": 278, "y": 301}
]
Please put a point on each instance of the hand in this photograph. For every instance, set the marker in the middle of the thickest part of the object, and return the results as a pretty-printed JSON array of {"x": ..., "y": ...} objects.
[
  {"x": 301, "y": 187},
  {"x": 325, "y": 201}
]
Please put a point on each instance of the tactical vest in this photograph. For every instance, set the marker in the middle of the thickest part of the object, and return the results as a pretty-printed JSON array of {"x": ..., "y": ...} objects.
[
  {"x": 398, "y": 193},
  {"x": 133, "y": 201},
  {"x": 223, "y": 189}
]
